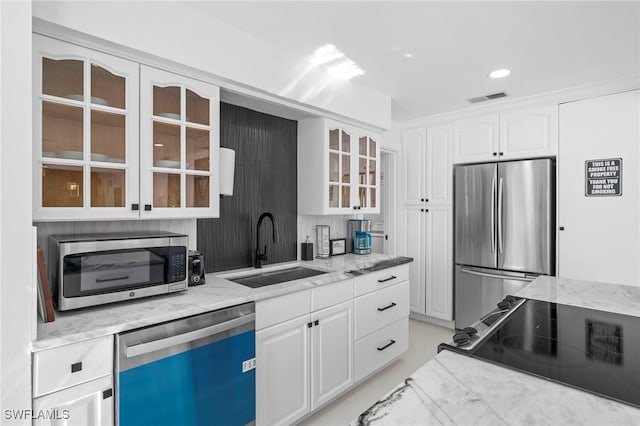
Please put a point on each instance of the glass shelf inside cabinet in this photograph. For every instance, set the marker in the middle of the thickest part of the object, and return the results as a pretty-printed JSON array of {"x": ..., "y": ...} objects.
[
  {"x": 197, "y": 108},
  {"x": 166, "y": 102},
  {"x": 107, "y": 89},
  {"x": 63, "y": 78},
  {"x": 62, "y": 131}
]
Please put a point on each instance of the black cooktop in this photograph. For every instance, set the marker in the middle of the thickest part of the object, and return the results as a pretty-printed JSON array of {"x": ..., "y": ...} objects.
[{"x": 591, "y": 350}]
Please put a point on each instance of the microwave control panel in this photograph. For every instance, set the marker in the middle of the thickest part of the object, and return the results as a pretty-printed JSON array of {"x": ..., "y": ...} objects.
[{"x": 177, "y": 264}]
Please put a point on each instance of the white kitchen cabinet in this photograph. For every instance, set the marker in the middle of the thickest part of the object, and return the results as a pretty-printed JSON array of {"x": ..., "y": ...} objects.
[
  {"x": 598, "y": 236},
  {"x": 381, "y": 319},
  {"x": 87, "y": 404},
  {"x": 524, "y": 133},
  {"x": 529, "y": 133},
  {"x": 428, "y": 172},
  {"x": 73, "y": 384},
  {"x": 283, "y": 372},
  {"x": 303, "y": 362},
  {"x": 338, "y": 168},
  {"x": 85, "y": 133},
  {"x": 475, "y": 140},
  {"x": 429, "y": 240},
  {"x": 116, "y": 140},
  {"x": 179, "y": 144},
  {"x": 331, "y": 353}
]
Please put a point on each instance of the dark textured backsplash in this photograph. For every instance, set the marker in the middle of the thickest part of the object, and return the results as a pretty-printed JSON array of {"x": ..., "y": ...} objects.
[{"x": 265, "y": 180}]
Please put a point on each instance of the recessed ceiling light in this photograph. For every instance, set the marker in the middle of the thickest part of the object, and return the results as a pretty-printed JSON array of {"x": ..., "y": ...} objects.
[
  {"x": 158, "y": 144},
  {"x": 408, "y": 55},
  {"x": 499, "y": 73}
]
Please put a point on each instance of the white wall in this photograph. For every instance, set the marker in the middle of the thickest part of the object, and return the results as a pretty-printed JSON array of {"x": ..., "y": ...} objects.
[
  {"x": 17, "y": 296},
  {"x": 180, "y": 33}
]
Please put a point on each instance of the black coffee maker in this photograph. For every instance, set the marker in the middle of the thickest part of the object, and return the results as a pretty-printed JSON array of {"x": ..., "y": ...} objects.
[{"x": 195, "y": 268}]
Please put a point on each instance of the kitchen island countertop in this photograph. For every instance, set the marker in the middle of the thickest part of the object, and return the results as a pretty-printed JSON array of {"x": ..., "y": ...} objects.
[
  {"x": 217, "y": 293},
  {"x": 456, "y": 389}
]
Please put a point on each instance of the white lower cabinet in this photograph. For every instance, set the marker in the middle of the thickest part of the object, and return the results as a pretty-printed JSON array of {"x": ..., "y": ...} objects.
[
  {"x": 303, "y": 362},
  {"x": 381, "y": 347},
  {"x": 87, "y": 404},
  {"x": 73, "y": 384}
]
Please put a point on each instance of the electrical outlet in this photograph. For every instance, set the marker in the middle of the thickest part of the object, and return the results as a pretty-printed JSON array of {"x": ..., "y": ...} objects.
[{"x": 248, "y": 365}]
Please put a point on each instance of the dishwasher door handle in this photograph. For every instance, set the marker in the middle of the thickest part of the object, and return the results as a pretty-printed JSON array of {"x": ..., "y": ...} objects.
[{"x": 156, "y": 345}]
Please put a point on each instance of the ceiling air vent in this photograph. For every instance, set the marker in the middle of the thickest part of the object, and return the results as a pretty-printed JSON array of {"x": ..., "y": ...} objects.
[{"x": 487, "y": 97}]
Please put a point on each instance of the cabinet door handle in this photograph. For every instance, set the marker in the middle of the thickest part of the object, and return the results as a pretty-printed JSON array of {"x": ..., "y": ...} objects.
[
  {"x": 76, "y": 367},
  {"x": 107, "y": 394},
  {"x": 561, "y": 228},
  {"x": 426, "y": 210},
  {"x": 426, "y": 199},
  {"x": 316, "y": 322},
  {"x": 387, "y": 345},
  {"x": 135, "y": 206},
  {"x": 495, "y": 154},
  {"x": 147, "y": 207},
  {"x": 501, "y": 153},
  {"x": 387, "y": 307},
  {"x": 392, "y": 277},
  {"x": 309, "y": 324},
  {"x": 421, "y": 199},
  {"x": 422, "y": 210}
]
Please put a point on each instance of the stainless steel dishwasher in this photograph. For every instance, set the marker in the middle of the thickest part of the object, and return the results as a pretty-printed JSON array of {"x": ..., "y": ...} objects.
[{"x": 198, "y": 370}]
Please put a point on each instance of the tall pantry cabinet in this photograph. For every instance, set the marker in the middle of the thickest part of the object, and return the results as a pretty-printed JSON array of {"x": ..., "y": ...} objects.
[{"x": 428, "y": 214}]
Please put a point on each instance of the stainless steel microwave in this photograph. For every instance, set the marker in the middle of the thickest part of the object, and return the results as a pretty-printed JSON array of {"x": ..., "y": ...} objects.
[{"x": 94, "y": 269}]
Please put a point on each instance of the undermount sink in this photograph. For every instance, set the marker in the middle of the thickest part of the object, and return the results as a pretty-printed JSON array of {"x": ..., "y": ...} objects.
[{"x": 276, "y": 277}]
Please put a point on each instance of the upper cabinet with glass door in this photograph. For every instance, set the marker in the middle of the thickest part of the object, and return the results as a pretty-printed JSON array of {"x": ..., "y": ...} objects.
[
  {"x": 85, "y": 147},
  {"x": 179, "y": 137},
  {"x": 337, "y": 168}
]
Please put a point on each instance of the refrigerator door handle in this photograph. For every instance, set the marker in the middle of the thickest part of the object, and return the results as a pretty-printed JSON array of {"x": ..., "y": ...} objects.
[
  {"x": 493, "y": 214},
  {"x": 501, "y": 277},
  {"x": 501, "y": 181}
]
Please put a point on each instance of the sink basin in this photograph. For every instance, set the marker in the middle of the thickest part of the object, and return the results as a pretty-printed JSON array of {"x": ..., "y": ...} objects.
[{"x": 276, "y": 277}]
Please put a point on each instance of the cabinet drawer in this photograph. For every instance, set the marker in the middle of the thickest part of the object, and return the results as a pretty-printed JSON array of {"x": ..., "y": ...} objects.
[
  {"x": 380, "y": 308},
  {"x": 59, "y": 368},
  {"x": 282, "y": 308},
  {"x": 380, "y": 279},
  {"x": 379, "y": 348},
  {"x": 331, "y": 294}
]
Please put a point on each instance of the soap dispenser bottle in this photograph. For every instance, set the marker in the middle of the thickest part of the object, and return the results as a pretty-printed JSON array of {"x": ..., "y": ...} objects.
[{"x": 306, "y": 250}]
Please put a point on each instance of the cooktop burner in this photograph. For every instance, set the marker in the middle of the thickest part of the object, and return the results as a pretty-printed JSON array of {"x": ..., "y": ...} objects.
[{"x": 591, "y": 350}]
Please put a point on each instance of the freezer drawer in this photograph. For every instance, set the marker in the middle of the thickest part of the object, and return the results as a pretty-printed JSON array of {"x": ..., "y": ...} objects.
[{"x": 478, "y": 290}]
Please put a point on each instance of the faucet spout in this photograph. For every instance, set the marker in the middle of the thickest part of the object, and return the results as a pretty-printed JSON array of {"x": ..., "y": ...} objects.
[{"x": 260, "y": 256}]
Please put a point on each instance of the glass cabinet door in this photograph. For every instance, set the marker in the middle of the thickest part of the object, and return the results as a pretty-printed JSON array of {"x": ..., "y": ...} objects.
[
  {"x": 85, "y": 133},
  {"x": 179, "y": 143},
  {"x": 367, "y": 173},
  {"x": 339, "y": 169}
]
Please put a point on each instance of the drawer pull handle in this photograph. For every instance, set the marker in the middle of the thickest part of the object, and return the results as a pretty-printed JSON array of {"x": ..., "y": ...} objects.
[
  {"x": 76, "y": 367},
  {"x": 387, "y": 345},
  {"x": 387, "y": 307},
  {"x": 392, "y": 277}
]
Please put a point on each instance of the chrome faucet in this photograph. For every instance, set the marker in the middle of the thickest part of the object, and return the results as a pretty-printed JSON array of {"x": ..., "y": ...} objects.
[{"x": 263, "y": 256}]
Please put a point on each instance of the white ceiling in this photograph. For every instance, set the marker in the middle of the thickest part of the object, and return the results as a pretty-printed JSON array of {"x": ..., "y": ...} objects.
[{"x": 547, "y": 45}]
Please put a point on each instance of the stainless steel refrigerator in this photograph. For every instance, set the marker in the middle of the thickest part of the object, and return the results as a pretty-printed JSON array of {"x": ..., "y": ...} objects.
[{"x": 504, "y": 232}]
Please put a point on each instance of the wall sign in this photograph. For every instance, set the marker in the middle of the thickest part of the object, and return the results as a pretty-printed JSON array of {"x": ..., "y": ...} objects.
[{"x": 603, "y": 178}]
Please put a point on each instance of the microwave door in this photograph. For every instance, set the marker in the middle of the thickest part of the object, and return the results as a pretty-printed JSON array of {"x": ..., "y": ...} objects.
[
  {"x": 525, "y": 219},
  {"x": 475, "y": 199}
]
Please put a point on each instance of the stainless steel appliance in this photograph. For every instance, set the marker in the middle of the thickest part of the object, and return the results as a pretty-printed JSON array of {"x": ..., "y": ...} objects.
[
  {"x": 504, "y": 231},
  {"x": 93, "y": 269},
  {"x": 196, "y": 273},
  {"x": 354, "y": 225},
  {"x": 193, "y": 371},
  {"x": 592, "y": 350}
]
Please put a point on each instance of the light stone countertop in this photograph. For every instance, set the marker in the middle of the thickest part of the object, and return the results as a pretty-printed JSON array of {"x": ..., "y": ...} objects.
[
  {"x": 454, "y": 389},
  {"x": 216, "y": 293}
]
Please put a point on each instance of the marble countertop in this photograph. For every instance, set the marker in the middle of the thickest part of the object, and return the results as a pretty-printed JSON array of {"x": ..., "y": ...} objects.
[
  {"x": 455, "y": 389},
  {"x": 216, "y": 293}
]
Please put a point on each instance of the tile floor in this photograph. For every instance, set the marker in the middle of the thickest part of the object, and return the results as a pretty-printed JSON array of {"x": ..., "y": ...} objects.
[{"x": 423, "y": 343}]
